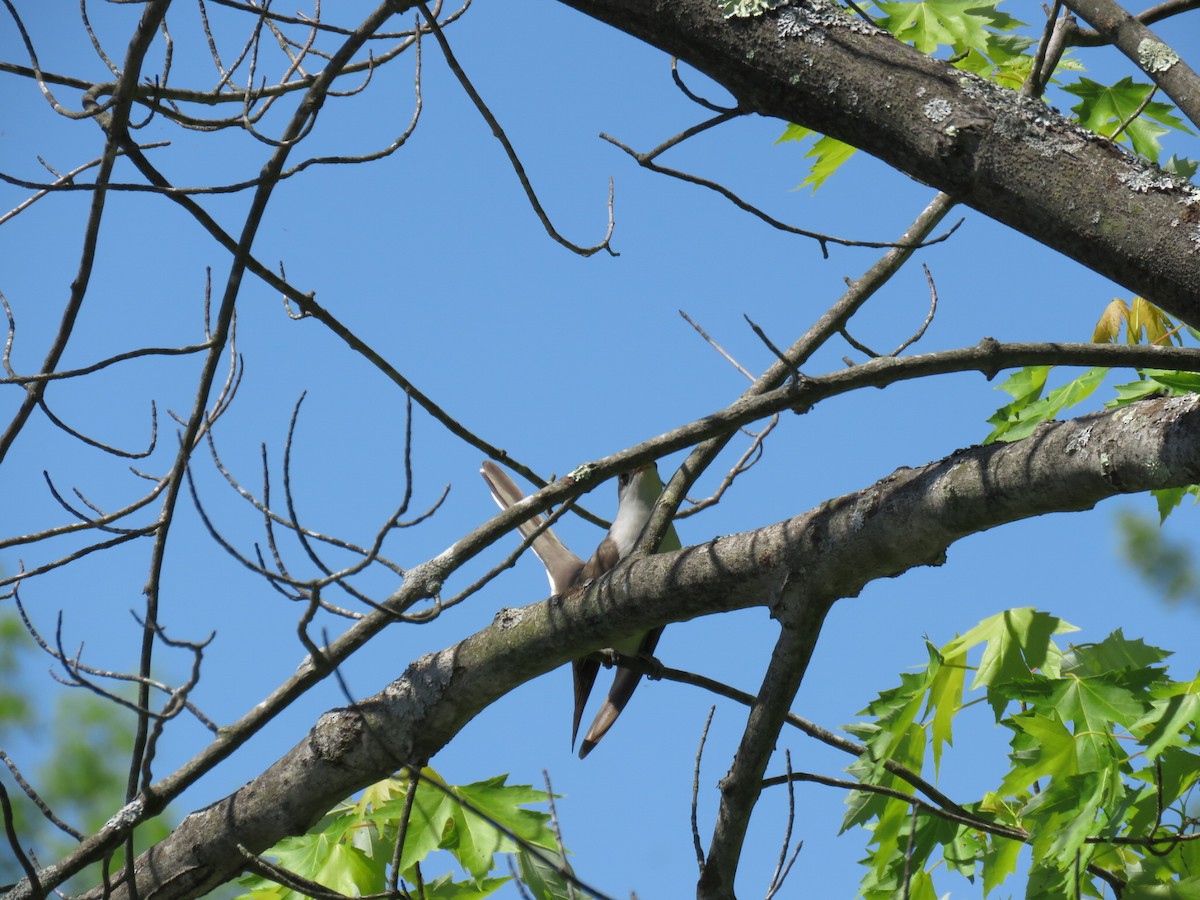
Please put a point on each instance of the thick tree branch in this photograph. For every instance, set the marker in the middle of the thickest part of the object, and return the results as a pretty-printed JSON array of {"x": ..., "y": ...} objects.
[
  {"x": 908, "y": 519},
  {"x": 1082, "y": 37},
  {"x": 1010, "y": 157}
]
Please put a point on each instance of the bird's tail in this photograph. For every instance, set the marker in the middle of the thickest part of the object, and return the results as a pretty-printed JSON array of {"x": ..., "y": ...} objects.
[
  {"x": 562, "y": 566},
  {"x": 624, "y": 684}
]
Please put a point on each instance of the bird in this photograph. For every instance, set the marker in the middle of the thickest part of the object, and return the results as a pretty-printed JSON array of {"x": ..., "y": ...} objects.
[{"x": 637, "y": 492}]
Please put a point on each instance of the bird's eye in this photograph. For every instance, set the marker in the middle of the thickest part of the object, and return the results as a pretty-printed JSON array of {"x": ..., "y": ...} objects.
[{"x": 623, "y": 479}]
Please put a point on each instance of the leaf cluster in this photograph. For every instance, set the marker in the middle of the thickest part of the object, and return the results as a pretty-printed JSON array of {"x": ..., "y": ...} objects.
[
  {"x": 1104, "y": 757},
  {"x": 351, "y": 849},
  {"x": 977, "y": 37},
  {"x": 1140, "y": 321},
  {"x": 1125, "y": 108}
]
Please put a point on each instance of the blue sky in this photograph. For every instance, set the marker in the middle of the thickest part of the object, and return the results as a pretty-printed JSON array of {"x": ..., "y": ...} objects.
[{"x": 435, "y": 258}]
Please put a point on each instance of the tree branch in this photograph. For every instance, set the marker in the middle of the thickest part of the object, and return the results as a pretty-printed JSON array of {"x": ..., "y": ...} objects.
[
  {"x": 1010, "y": 157},
  {"x": 908, "y": 519}
]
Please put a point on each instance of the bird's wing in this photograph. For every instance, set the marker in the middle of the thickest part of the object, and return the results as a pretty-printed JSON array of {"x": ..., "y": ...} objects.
[{"x": 562, "y": 566}]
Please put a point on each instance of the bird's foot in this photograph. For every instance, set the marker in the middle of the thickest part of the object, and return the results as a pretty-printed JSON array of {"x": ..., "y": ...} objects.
[{"x": 654, "y": 668}]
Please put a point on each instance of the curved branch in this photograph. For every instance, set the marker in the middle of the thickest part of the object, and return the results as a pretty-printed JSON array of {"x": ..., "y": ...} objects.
[
  {"x": 513, "y": 159},
  {"x": 646, "y": 161}
]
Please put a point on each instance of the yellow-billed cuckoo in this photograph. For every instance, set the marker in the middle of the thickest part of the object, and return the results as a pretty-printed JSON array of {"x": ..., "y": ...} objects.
[{"x": 637, "y": 492}]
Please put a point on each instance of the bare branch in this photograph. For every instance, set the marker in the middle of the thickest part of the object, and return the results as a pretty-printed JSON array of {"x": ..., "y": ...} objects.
[
  {"x": 784, "y": 866},
  {"x": 817, "y": 334},
  {"x": 43, "y": 807},
  {"x": 704, "y": 334},
  {"x": 696, "y": 790},
  {"x": 696, "y": 98},
  {"x": 799, "y": 629},
  {"x": 514, "y": 160},
  {"x": 920, "y": 332},
  {"x": 14, "y": 843},
  {"x": 646, "y": 161},
  {"x": 1055, "y": 35},
  {"x": 115, "y": 117}
]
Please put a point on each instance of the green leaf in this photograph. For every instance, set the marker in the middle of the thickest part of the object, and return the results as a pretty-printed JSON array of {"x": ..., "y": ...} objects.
[
  {"x": 1178, "y": 710},
  {"x": 1024, "y": 386},
  {"x": 895, "y": 711},
  {"x": 999, "y": 862},
  {"x": 1117, "y": 653},
  {"x": 794, "y": 132},
  {"x": 1181, "y": 166},
  {"x": 1145, "y": 889},
  {"x": 1015, "y": 424},
  {"x": 353, "y": 845},
  {"x": 1095, "y": 704},
  {"x": 474, "y": 840},
  {"x": 544, "y": 881},
  {"x": 1134, "y": 391},
  {"x": 430, "y": 812},
  {"x": 445, "y": 888},
  {"x": 1006, "y": 60},
  {"x": 1166, "y": 565},
  {"x": 332, "y": 863},
  {"x": 1174, "y": 772},
  {"x": 964, "y": 852},
  {"x": 945, "y": 697},
  {"x": 1018, "y": 641},
  {"x": 1176, "y": 382},
  {"x": 1042, "y": 747},
  {"x": 1048, "y": 882},
  {"x": 862, "y": 806},
  {"x": 961, "y": 25},
  {"x": 1168, "y": 499},
  {"x": 1104, "y": 109},
  {"x": 1064, "y": 814},
  {"x": 827, "y": 154}
]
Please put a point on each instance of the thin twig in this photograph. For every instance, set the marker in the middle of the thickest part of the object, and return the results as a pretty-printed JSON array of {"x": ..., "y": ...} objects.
[
  {"x": 696, "y": 790},
  {"x": 514, "y": 160},
  {"x": 694, "y": 97},
  {"x": 35, "y": 797},
  {"x": 933, "y": 302},
  {"x": 646, "y": 160},
  {"x": 1133, "y": 115},
  {"x": 704, "y": 334},
  {"x": 785, "y": 864}
]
